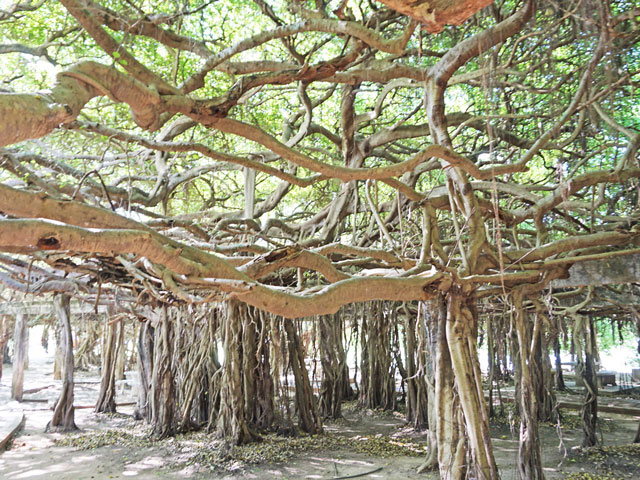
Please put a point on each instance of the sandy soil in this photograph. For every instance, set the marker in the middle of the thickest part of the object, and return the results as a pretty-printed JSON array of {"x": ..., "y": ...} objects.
[{"x": 35, "y": 456}]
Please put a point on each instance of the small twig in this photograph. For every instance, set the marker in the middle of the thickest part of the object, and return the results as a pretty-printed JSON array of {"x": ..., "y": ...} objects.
[
  {"x": 355, "y": 475},
  {"x": 36, "y": 390},
  {"x": 104, "y": 187}
]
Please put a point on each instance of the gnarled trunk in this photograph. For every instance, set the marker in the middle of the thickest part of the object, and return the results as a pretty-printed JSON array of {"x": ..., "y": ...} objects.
[
  {"x": 543, "y": 381},
  {"x": 90, "y": 331},
  {"x": 335, "y": 378},
  {"x": 195, "y": 367},
  {"x": 162, "y": 385},
  {"x": 232, "y": 422},
  {"x": 452, "y": 445},
  {"x": 418, "y": 372},
  {"x": 461, "y": 338},
  {"x": 429, "y": 316},
  {"x": 378, "y": 389},
  {"x": 111, "y": 343},
  {"x": 529, "y": 453},
  {"x": 144, "y": 349},
  {"x": 258, "y": 383},
  {"x": 63, "y": 414},
  {"x": 584, "y": 343},
  {"x": 308, "y": 418}
]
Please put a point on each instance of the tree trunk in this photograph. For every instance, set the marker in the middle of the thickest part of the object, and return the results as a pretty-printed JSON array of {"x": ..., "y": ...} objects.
[
  {"x": 63, "y": 414},
  {"x": 529, "y": 454},
  {"x": 590, "y": 406},
  {"x": 378, "y": 375},
  {"x": 461, "y": 339},
  {"x": 232, "y": 423},
  {"x": 429, "y": 315},
  {"x": 20, "y": 345},
  {"x": 491, "y": 362},
  {"x": 145, "y": 370},
  {"x": 195, "y": 367},
  {"x": 84, "y": 356},
  {"x": 560, "y": 386},
  {"x": 543, "y": 382},
  {"x": 450, "y": 435},
  {"x": 585, "y": 353},
  {"x": 5, "y": 334},
  {"x": 120, "y": 357},
  {"x": 417, "y": 372},
  {"x": 308, "y": 418},
  {"x": 58, "y": 357},
  {"x": 162, "y": 386},
  {"x": 259, "y": 393},
  {"x": 331, "y": 386},
  {"x": 107, "y": 395}
]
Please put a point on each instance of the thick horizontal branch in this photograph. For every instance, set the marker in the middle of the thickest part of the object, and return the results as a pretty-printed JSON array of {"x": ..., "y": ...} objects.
[
  {"x": 346, "y": 174},
  {"x": 329, "y": 299}
]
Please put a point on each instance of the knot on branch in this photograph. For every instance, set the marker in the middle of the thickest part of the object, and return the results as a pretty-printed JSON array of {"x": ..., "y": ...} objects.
[{"x": 48, "y": 243}]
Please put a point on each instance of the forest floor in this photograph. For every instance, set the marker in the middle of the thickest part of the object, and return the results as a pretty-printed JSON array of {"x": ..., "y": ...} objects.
[{"x": 115, "y": 446}]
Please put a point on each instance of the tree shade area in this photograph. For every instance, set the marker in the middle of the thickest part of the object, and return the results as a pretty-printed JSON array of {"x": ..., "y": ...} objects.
[{"x": 243, "y": 191}]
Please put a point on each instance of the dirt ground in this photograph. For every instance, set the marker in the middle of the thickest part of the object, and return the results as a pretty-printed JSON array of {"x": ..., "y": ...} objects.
[{"x": 35, "y": 455}]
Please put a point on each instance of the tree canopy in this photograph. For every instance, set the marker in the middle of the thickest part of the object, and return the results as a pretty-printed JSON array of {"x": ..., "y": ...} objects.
[{"x": 299, "y": 156}]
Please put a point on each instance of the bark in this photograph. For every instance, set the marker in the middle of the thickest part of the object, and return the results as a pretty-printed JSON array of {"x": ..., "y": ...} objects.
[
  {"x": 541, "y": 362},
  {"x": 20, "y": 345},
  {"x": 335, "y": 377},
  {"x": 461, "y": 339},
  {"x": 450, "y": 433},
  {"x": 560, "y": 386},
  {"x": 378, "y": 389},
  {"x": 435, "y": 14},
  {"x": 232, "y": 422},
  {"x": 529, "y": 453},
  {"x": 63, "y": 414},
  {"x": 84, "y": 356},
  {"x": 309, "y": 420},
  {"x": 418, "y": 372},
  {"x": 59, "y": 357},
  {"x": 5, "y": 334},
  {"x": 162, "y": 402},
  {"x": 120, "y": 354},
  {"x": 491, "y": 362},
  {"x": 429, "y": 316},
  {"x": 106, "y": 402},
  {"x": 590, "y": 403},
  {"x": 259, "y": 400},
  {"x": 144, "y": 348},
  {"x": 195, "y": 365}
]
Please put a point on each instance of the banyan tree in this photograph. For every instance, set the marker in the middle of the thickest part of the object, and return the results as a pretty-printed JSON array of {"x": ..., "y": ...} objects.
[{"x": 247, "y": 182}]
